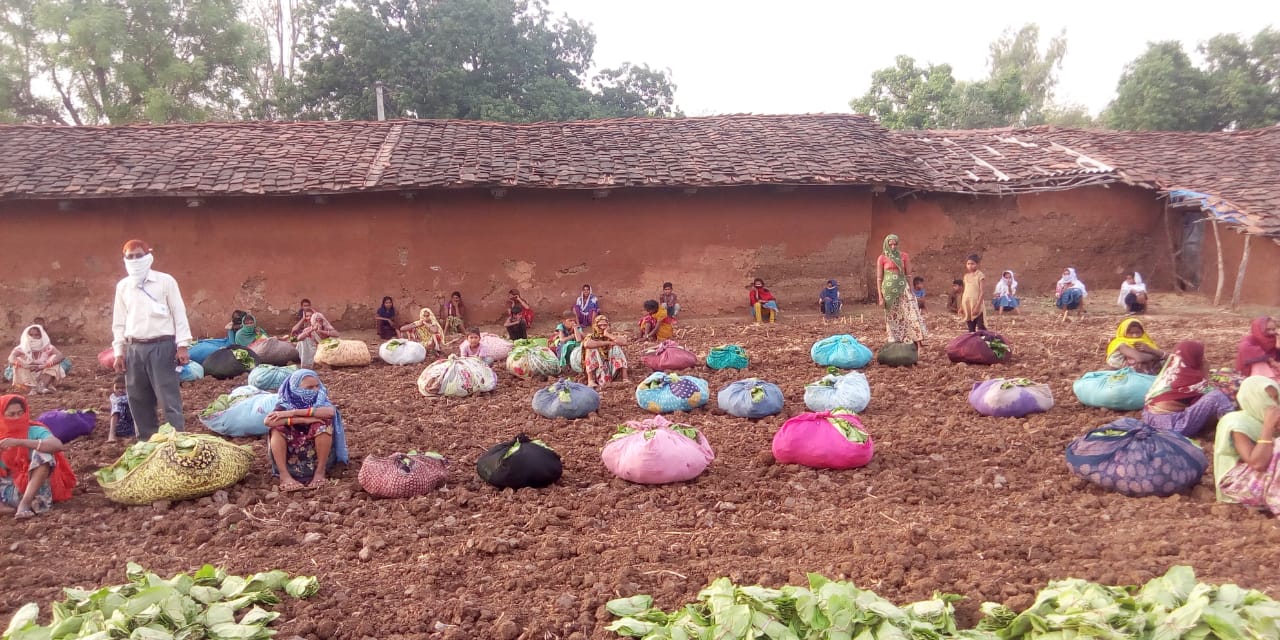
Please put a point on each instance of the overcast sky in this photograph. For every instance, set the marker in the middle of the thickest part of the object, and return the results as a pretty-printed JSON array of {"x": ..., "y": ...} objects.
[{"x": 809, "y": 56}]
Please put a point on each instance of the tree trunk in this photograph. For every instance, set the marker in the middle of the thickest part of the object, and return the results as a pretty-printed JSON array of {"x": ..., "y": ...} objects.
[
  {"x": 1222, "y": 275},
  {"x": 1244, "y": 266}
]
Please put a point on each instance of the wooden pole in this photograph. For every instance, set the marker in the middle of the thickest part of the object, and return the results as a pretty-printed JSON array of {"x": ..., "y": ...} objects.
[
  {"x": 1222, "y": 275},
  {"x": 1174, "y": 251},
  {"x": 1244, "y": 266}
]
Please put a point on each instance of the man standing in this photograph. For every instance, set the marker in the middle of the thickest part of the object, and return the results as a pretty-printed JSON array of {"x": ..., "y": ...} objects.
[{"x": 150, "y": 339}]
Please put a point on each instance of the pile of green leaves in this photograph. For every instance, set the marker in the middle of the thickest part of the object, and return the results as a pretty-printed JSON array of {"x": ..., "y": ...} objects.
[
  {"x": 245, "y": 359},
  {"x": 757, "y": 393},
  {"x": 998, "y": 347},
  {"x": 221, "y": 403},
  {"x": 392, "y": 345},
  {"x": 184, "y": 607},
  {"x": 826, "y": 609},
  {"x": 682, "y": 429},
  {"x": 657, "y": 382},
  {"x": 849, "y": 430},
  {"x": 131, "y": 458},
  {"x": 329, "y": 344},
  {"x": 1172, "y": 607},
  {"x": 515, "y": 446},
  {"x": 406, "y": 460},
  {"x": 1010, "y": 383}
]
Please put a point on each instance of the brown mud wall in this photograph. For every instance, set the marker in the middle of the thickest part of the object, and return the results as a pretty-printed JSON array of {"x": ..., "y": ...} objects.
[
  {"x": 1262, "y": 274},
  {"x": 345, "y": 253}
]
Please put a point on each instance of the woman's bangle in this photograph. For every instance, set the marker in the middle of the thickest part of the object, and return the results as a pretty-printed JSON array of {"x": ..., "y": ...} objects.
[
  {"x": 311, "y": 412},
  {"x": 288, "y": 421},
  {"x": 1265, "y": 441}
]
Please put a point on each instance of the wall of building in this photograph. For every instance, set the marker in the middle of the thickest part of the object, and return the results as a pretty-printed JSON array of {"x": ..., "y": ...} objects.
[
  {"x": 265, "y": 254},
  {"x": 1261, "y": 278}
]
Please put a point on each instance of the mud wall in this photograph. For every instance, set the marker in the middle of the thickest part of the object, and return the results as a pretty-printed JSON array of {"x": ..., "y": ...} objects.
[
  {"x": 1102, "y": 232},
  {"x": 1262, "y": 275},
  {"x": 346, "y": 252}
]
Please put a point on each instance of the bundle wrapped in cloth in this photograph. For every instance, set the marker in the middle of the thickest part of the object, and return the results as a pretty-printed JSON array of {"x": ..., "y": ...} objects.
[
  {"x": 457, "y": 376},
  {"x": 403, "y": 475},
  {"x": 532, "y": 357},
  {"x": 657, "y": 451},
  {"x": 174, "y": 466},
  {"x": 343, "y": 353}
]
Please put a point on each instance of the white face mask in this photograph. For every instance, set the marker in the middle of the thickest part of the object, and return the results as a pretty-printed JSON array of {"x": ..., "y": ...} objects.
[
  {"x": 35, "y": 344},
  {"x": 138, "y": 268}
]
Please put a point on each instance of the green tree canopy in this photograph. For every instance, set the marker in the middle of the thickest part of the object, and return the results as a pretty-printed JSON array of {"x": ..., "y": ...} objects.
[
  {"x": 119, "y": 61},
  {"x": 506, "y": 60},
  {"x": 1018, "y": 88}
]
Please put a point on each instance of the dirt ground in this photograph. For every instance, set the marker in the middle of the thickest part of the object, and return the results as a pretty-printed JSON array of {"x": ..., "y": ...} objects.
[{"x": 953, "y": 502}]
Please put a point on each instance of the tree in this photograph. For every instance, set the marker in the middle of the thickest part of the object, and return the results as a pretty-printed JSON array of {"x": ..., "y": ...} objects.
[
  {"x": 1162, "y": 90},
  {"x": 907, "y": 96},
  {"x": 507, "y": 60},
  {"x": 1068, "y": 115},
  {"x": 1245, "y": 78},
  {"x": 120, "y": 61},
  {"x": 1017, "y": 90}
]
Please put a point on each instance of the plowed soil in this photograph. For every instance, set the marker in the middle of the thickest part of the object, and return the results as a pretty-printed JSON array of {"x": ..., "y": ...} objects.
[{"x": 953, "y": 502}]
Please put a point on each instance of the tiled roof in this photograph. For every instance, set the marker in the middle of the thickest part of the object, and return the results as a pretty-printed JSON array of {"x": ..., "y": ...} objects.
[
  {"x": 1238, "y": 171},
  {"x": 253, "y": 158}
]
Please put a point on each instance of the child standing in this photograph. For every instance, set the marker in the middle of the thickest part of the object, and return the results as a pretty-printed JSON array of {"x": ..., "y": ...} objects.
[
  {"x": 829, "y": 300},
  {"x": 668, "y": 301},
  {"x": 121, "y": 419},
  {"x": 971, "y": 300},
  {"x": 655, "y": 326},
  {"x": 917, "y": 289}
]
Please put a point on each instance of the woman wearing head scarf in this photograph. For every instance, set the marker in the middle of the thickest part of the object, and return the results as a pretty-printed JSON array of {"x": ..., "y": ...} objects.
[
  {"x": 762, "y": 301},
  {"x": 34, "y": 473},
  {"x": 519, "y": 316},
  {"x": 1182, "y": 398},
  {"x": 248, "y": 331},
  {"x": 1133, "y": 294},
  {"x": 1259, "y": 352},
  {"x": 901, "y": 311},
  {"x": 307, "y": 437},
  {"x": 37, "y": 364},
  {"x": 586, "y": 307},
  {"x": 454, "y": 313},
  {"x": 602, "y": 357},
  {"x": 308, "y": 340},
  {"x": 1133, "y": 348},
  {"x": 1244, "y": 450},
  {"x": 1006, "y": 293},
  {"x": 385, "y": 318},
  {"x": 426, "y": 330},
  {"x": 829, "y": 300},
  {"x": 1070, "y": 293}
]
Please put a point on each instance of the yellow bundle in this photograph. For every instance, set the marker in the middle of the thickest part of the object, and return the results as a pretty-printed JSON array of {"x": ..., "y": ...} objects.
[
  {"x": 343, "y": 353},
  {"x": 174, "y": 466}
]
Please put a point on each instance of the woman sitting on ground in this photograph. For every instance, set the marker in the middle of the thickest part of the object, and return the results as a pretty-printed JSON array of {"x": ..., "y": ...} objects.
[
  {"x": 308, "y": 339},
  {"x": 306, "y": 437},
  {"x": 567, "y": 337},
  {"x": 1244, "y": 450},
  {"x": 1133, "y": 348},
  {"x": 249, "y": 331},
  {"x": 1259, "y": 352},
  {"x": 385, "y": 319},
  {"x": 602, "y": 357},
  {"x": 454, "y": 314},
  {"x": 1182, "y": 399},
  {"x": 519, "y": 316},
  {"x": 1070, "y": 294},
  {"x": 586, "y": 307},
  {"x": 34, "y": 473},
  {"x": 37, "y": 364},
  {"x": 237, "y": 321},
  {"x": 426, "y": 330},
  {"x": 762, "y": 302},
  {"x": 1133, "y": 294},
  {"x": 1006, "y": 294}
]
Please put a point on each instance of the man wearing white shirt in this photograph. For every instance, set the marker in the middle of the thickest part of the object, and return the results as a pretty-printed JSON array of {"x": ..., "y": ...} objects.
[{"x": 150, "y": 339}]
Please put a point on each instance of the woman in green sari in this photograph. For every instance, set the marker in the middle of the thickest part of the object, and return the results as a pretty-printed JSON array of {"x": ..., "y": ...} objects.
[{"x": 901, "y": 312}]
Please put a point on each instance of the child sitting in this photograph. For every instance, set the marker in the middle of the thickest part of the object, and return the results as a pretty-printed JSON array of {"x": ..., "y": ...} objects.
[
  {"x": 655, "y": 326},
  {"x": 121, "y": 418},
  {"x": 668, "y": 301},
  {"x": 917, "y": 289},
  {"x": 829, "y": 300},
  {"x": 471, "y": 347},
  {"x": 953, "y": 298},
  {"x": 566, "y": 337}
]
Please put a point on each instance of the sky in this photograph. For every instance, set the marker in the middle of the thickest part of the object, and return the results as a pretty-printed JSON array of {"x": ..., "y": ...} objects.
[{"x": 813, "y": 56}]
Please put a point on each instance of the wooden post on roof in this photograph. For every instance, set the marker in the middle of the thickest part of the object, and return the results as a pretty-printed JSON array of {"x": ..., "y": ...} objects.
[
  {"x": 1217, "y": 239},
  {"x": 1244, "y": 266}
]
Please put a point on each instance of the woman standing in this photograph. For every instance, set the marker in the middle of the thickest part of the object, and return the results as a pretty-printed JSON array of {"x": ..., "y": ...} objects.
[
  {"x": 33, "y": 472},
  {"x": 37, "y": 364},
  {"x": 307, "y": 436},
  {"x": 587, "y": 306},
  {"x": 386, "y": 318},
  {"x": 901, "y": 312}
]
